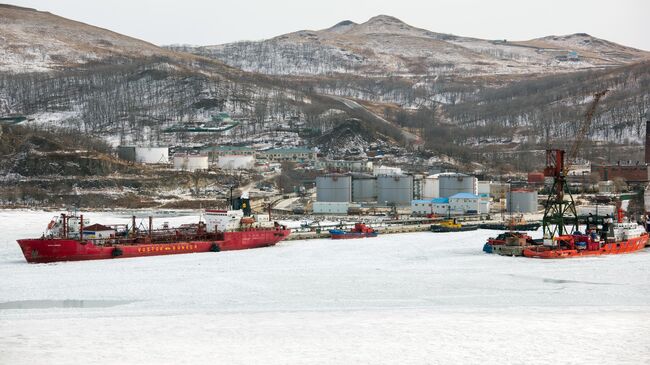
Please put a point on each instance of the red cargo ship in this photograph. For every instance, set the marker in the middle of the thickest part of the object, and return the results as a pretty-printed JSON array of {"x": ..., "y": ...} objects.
[{"x": 67, "y": 240}]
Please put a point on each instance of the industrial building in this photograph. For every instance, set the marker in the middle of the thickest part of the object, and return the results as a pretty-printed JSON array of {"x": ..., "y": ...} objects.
[
  {"x": 606, "y": 187},
  {"x": 146, "y": 155},
  {"x": 334, "y": 188},
  {"x": 300, "y": 155},
  {"x": 345, "y": 165},
  {"x": 386, "y": 170},
  {"x": 457, "y": 204},
  {"x": 214, "y": 152},
  {"x": 632, "y": 171},
  {"x": 336, "y": 208},
  {"x": 186, "y": 162},
  {"x": 596, "y": 210},
  {"x": 437, "y": 206},
  {"x": 466, "y": 203},
  {"x": 394, "y": 190},
  {"x": 522, "y": 201},
  {"x": 628, "y": 170},
  {"x": 494, "y": 189}
]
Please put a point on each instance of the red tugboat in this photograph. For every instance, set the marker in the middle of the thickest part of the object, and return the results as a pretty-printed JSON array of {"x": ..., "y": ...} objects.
[
  {"x": 68, "y": 238},
  {"x": 360, "y": 230}
]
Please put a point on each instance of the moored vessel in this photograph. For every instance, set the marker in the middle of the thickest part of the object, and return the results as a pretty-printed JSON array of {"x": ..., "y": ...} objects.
[
  {"x": 452, "y": 225},
  {"x": 69, "y": 238},
  {"x": 509, "y": 244},
  {"x": 512, "y": 224},
  {"x": 617, "y": 239},
  {"x": 360, "y": 230}
]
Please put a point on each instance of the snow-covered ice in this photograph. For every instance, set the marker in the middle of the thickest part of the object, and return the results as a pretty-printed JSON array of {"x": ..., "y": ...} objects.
[{"x": 419, "y": 298}]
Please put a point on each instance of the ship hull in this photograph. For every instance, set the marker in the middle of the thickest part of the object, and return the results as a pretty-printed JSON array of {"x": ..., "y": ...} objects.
[
  {"x": 615, "y": 248},
  {"x": 43, "y": 250}
]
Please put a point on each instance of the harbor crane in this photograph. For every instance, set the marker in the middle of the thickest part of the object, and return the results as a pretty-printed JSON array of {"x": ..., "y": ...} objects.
[{"x": 559, "y": 209}]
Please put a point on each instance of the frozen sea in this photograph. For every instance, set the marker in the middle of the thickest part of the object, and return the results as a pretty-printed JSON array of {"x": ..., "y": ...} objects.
[{"x": 418, "y": 298}]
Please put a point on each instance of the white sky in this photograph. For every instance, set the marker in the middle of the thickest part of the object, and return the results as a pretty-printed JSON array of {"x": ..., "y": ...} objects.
[{"x": 213, "y": 22}]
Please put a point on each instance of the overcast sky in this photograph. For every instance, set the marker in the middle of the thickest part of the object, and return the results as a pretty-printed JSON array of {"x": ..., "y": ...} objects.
[{"x": 221, "y": 21}]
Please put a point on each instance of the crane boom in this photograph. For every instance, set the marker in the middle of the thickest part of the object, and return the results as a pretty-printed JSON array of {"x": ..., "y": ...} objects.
[{"x": 584, "y": 128}]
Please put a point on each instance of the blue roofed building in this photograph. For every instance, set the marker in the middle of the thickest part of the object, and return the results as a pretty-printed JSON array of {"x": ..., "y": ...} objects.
[
  {"x": 437, "y": 206},
  {"x": 466, "y": 203}
]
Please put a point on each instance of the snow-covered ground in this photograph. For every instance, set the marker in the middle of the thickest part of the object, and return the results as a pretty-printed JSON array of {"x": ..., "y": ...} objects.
[{"x": 419, "y": 298}]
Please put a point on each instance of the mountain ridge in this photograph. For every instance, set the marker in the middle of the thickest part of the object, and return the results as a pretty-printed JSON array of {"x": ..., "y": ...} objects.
[{"x": 385, "y": 45}]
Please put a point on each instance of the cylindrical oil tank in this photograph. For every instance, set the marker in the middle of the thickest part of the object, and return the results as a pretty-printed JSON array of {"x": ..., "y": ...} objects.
[
  {"x": 334, "y": 188},
  {"x": 430, "y": 188},
  {"x": 190, "y": 162},
  {"x": 364, "y": 188},
  {"x": 396, "y": 189},
  {"x": 521, "y": 201},
  {"x": 451, "y": 183},
  {"x": 152, "y": 154}
]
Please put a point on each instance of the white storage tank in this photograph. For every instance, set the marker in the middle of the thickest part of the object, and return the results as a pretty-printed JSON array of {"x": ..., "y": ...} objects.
[
  {"x": 484, "y": 187},
  {"x": 334, "y": 188},
  {"x": 364, "y": 188},
  {"x": 521, "y": 201},
  {"x": 395, "y": 189},
  {"x": 451, "y": 183},
  {"x": 236, "y": 162},
  {"x": 431, "y": 187},
  {"x": 152, "y": 155},
  {"x": 187, "y": 162}
]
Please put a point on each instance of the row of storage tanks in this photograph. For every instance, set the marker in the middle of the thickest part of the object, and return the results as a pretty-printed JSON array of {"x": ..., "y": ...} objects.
[
  {"x": 402, "y": 189},
  {"x": 398, "y": 189},
  {"x": 392, "y": 188},
  {"x": 160, "y": 155}
]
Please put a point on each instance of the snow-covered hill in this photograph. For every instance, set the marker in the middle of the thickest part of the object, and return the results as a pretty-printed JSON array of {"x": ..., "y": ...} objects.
[
  {"x": 32, "y": 40},
  {"x": 384, "y": 45}
]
